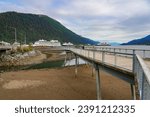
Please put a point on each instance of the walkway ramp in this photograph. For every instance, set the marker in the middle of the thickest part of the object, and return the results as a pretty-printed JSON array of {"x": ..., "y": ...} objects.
[{"x": 127, "y": 66}]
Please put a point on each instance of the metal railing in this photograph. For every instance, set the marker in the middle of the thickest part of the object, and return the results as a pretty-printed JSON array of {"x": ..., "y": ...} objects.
[
  {"x": 142, "y": 74},
  {"x": 144, "y": 53},
  {"x": 121, "y": 60},
  {"x": 133, "y": 62}
]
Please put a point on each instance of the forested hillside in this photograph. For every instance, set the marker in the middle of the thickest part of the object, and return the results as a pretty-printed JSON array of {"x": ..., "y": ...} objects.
[{"x": 36, "y": 27}]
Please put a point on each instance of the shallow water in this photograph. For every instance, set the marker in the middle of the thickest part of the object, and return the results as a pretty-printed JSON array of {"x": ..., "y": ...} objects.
[
  {"x": 47, "y": 64},
  {"x": 72, "y": 62}
]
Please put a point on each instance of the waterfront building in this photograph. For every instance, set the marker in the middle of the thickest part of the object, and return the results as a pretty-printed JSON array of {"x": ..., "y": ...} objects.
[
  {"x": 43, "y": 42},
  {"x": 16, "y": 44},
  {"x": 55, "y": 43},
  {"x": 3, "y": 43},
  {"x": 67, "y": 44}
]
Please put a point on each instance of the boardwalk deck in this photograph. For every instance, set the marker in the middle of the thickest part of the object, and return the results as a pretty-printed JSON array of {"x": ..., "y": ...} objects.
[
  {"x": 131, "y": 68},
  {"x": 122, "y": 61}
]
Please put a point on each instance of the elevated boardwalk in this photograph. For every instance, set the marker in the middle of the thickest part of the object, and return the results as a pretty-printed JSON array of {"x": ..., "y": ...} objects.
[{"x": 127, "y": 66}]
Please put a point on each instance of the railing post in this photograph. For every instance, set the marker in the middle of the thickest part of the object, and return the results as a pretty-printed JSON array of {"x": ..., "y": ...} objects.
[
  {"x": 133, "y": 62},
  {"x": 142, "y": 88},
  {"x": 115, "y": 59},
  {"x": 103, "y": 57},
  {"x": 143, "y": 53},
  {"x": 114, "y": 50},
  {"x": 93, "y": 54}
]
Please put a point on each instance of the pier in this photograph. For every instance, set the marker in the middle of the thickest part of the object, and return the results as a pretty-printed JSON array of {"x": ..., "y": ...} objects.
[{"x": 128, "y": 66}]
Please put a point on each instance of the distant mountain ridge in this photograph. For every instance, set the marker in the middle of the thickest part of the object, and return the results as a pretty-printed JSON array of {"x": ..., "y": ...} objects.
[
  {"x": 36, "y": 27},
  {"x": 142, "y": 41}
]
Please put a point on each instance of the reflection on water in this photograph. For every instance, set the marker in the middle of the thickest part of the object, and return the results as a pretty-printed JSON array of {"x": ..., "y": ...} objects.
[
  {"x": 72, "y": 62},
  {"x": 47, "y": 64},
  {"x": 54, "y": 64}
]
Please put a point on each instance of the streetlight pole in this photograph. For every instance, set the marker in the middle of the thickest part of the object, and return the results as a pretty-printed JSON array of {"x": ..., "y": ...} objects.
[
  {"x": 25, "y": 40},
  {"x": 15, "y": 33}
]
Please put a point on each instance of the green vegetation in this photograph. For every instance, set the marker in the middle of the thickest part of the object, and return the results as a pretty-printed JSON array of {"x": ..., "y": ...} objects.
[
  {"x": 24, "y": 49},
  {"x": 36, "y": 27}
]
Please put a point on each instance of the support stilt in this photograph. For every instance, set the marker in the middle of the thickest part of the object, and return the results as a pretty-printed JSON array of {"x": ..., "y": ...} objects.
[
  {"x": 98, "y": 87},
  {"x": 133, "y": 92},
  {"x": 69, "y": 54},
  {"x": 93, "y": 70},
  {"x": 65, "y": 59},
  {"x": 76, "y": 62}
]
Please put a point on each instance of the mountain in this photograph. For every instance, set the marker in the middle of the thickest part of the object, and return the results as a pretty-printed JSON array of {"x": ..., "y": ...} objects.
[
  {"x": 142, "y": 41},
  {"x": 36, "y": 27}
]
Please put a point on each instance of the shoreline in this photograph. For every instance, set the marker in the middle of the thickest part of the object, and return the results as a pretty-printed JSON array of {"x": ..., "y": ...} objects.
[
  {"x": 19, "y": 59},
  {"x": 29, "y": 61}
]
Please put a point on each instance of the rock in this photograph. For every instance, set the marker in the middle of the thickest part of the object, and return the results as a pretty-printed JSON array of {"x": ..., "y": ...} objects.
[{"x": 18, "y": 58}]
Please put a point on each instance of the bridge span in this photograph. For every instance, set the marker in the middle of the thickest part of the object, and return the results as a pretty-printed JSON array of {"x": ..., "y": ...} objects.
[{"x": 129, "y": 67}]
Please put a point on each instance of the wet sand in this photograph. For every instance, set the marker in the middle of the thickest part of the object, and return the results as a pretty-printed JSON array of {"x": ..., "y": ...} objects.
[{"x": 61, "y": 84}]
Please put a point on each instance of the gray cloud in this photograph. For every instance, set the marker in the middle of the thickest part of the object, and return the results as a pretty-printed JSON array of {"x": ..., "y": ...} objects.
[{"x": 112, "y": 20}]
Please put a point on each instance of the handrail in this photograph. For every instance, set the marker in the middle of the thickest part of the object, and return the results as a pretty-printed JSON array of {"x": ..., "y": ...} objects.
[
  {"x": 144, "y": 67},
  {"x": 112, "y": 52},
  {"x": 108, "y": 47},
  {"x": 144, "y": 53},
  {"x": 142, "y": 74},
  {"x": 104, "y": 57},
  {"x": 103, "y": 51}
]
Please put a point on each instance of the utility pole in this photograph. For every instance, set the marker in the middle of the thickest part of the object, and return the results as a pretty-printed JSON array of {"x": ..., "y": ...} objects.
[
  {"x": 15, "y": 33},
  {"x": 25, "y": 39},
  {"x": 6, "y": 29}
]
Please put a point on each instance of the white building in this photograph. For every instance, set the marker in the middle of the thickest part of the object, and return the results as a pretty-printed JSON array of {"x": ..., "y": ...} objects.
[
  {"x": 16, "y": 44},
  {"x": 3, "y": 43},
  {"x": 55, "y": 43},
  {"x": 67, "y": 44},
  {"x": 43, "y": 42}
]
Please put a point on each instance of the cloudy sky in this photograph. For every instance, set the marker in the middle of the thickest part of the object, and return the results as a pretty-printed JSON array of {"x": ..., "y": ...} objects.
[{"x": 101, "y": 20}]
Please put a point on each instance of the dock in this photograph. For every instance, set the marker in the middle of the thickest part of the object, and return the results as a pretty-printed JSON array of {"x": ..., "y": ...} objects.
[{"x": 129, "y": 67}]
